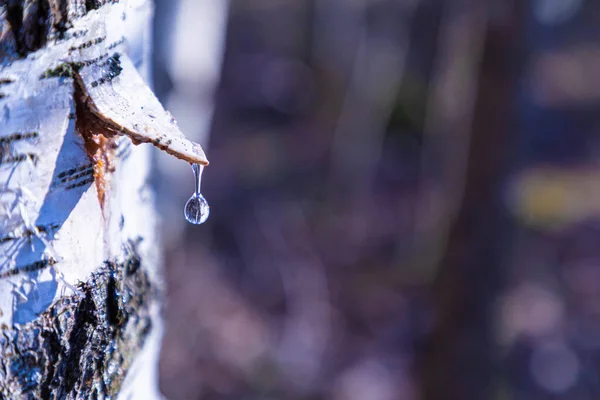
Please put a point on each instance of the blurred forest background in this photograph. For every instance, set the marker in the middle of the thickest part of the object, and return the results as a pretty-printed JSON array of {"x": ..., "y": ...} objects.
[{"x": 405, "y": 199}]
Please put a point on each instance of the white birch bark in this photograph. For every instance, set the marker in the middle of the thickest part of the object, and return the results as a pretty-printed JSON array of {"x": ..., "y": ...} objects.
[{"x": 79, "y": 266}]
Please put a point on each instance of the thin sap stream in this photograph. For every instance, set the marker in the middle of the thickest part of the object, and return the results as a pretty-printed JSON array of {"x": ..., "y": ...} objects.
[{"x": 196, "y": 209}]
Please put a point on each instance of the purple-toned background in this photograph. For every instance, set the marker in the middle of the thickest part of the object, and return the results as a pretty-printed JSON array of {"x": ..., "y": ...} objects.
[{"x": 404, "y": 199}]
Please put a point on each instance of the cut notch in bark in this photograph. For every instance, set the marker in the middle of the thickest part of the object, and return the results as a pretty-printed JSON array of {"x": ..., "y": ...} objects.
[{"x": 111, "y": 100}]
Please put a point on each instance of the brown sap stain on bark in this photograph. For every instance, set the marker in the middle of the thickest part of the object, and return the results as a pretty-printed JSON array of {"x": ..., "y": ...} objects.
[{"x": 99, "y": 142}]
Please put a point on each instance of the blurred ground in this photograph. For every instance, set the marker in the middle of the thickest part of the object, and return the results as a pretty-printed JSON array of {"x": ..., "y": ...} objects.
[{"x": 404, "y": 199}]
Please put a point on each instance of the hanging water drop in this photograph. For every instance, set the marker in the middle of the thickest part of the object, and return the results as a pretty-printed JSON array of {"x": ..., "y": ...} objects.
[{"x": 196, "y": 209}]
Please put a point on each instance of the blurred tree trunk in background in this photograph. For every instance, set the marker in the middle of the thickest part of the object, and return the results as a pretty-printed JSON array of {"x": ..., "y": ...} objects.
[
  {"x": 462, "y": 358},
  {"x": 335, "y": 121},
  {"x": 79, "y": 279}
]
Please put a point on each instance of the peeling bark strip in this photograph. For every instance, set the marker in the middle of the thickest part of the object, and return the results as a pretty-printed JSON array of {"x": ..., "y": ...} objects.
[
  {"x": 127, "y": 106},
  {"x": 82, "y": 347}
]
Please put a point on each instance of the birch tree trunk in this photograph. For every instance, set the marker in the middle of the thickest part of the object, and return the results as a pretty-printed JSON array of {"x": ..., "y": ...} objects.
[{"x": 80, "y": 284}]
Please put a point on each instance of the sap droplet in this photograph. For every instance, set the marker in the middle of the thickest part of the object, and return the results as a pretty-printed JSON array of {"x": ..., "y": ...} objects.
[{"x": 196, "y": 209}]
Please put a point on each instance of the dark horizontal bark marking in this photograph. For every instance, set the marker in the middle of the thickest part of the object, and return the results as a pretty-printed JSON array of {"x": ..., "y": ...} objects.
[
  {"x": 115, "y": 44},
  {"x": 114, "y": 69},
  {"x": 17, "y": 136},
  {"x": 75, "y": 34},
  {"x": 81, "y": 183},
  {"x": 87, "y": 44},
  {"x": 5, "y": 81},
  {"x": 66, "y": 69},
  {"x": 113, "y": 60},
  {"x": 36, "y": 266},
  {"x": 74, "y": 170},
  {"x": 86, "y": 63},
  {"x": 77, "y": 176},
  {"x": 74, "y": 176},
  {"x": 17, "y": 158},
  {"x": 27, "y": 233}
]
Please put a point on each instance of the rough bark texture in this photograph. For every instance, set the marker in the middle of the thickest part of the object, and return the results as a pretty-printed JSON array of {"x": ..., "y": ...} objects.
[
  {"x": 82, "y": 346},
  {"x": 79, "y": 279}
]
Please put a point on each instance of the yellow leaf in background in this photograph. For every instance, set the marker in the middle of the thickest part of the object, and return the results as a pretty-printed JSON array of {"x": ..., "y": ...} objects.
[{"x": 550, "y": 197}]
